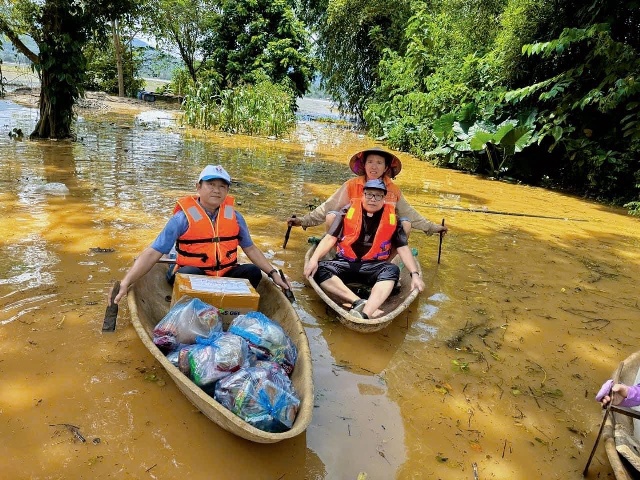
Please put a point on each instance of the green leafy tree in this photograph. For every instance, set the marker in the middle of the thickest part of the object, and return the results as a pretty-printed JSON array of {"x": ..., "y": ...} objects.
[
  {"x": 102, "y": 69},
  {"x": 185, "y": 26},
  {"x": 60, "y": 28},
  {"x": 351, "y": 41},
  {"x": 590, "y": 109},
  {"x": 258, "y": 38}
]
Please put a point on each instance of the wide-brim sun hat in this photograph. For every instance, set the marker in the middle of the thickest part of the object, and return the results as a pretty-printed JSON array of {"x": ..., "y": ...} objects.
[{"x": 357, "y": 161}]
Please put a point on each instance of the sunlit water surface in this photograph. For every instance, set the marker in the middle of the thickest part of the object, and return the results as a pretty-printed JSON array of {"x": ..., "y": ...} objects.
[{"x": 496, "y": 364}]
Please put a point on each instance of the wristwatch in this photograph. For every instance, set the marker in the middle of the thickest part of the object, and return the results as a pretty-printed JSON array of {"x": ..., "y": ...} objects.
[
  {"x": 270, "y": 274},
  {"x": 414, "y": 273}
]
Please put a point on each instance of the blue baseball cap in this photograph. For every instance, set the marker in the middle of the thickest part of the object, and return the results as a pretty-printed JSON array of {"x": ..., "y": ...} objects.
[
  {"x": 211, "y": 172},
  {"x": 377, "y": 184}
]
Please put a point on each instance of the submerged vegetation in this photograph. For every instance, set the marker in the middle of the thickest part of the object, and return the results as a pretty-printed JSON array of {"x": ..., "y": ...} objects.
[{"x": 261, "y": 109}]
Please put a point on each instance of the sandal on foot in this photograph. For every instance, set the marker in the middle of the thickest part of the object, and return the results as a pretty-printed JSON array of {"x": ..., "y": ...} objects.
[
  {"x": 358, "y": 305},
  {"x": 358, "y": 314}
]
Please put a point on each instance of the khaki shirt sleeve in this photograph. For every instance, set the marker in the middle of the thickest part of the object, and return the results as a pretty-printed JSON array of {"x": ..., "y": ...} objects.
[
  {"x": 404, "y": 210},
  {"x": 332, "y": 204}
]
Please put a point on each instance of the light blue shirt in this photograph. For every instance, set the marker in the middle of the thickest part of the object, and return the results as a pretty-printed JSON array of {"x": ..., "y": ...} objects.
[{"x": 178, "y": 225}]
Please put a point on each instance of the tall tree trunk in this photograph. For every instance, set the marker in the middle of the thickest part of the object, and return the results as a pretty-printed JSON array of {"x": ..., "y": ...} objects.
[
  {"x": 117, "y": 47},
  {"x": 56, "y": 114}
]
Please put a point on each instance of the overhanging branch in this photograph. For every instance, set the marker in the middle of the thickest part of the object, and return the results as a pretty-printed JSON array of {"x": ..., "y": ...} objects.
[{"x": 15, "y": 40}]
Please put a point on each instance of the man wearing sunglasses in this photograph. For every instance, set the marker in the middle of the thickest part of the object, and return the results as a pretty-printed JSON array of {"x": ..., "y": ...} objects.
[{"x": 364, "y": 234}]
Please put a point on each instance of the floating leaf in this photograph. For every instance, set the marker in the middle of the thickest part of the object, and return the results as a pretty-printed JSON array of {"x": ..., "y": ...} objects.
[
  {"x": 460, "y": 365},
  {"x": 516, "y": 392},
  {"x": 557, "y": 393},
  {"x": 476, "y": 446},
  {"x": 441, "y": 390}
]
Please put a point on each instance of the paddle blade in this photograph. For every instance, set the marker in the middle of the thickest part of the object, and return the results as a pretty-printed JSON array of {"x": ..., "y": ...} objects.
[
  {"x": 111, "y": 313},
  {"x": 288, "y": 292},
  {"x": 286, "y": 235}
]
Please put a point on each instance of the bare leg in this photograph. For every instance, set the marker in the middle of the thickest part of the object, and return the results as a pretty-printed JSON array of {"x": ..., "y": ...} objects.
[
  {"x": 379, "y": 293},
  {"x": 335, "y": 286}
]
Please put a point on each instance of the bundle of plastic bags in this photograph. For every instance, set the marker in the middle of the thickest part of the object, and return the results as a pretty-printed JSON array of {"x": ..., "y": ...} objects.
[
  {"x": 188, "y": 318},
  {"x": 263, "y": 397},
  {"x": 246, "y": 369},
  {"x": 267, "y": 340}
]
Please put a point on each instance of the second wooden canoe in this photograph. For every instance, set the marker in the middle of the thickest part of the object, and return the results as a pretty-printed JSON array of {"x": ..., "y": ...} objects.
[
  {"x": 618, "y": 433},
  {"x": 148, "y": 301},
  {"x": 394, "y": 305}
]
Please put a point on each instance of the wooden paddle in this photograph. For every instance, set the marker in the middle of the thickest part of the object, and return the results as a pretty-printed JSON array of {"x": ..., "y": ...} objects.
[
  {"x": 616, "y": 379},
  {"x": 286, "y": 235},
  {"x": 440, "y": 245},
  {"x": 111, "y": 313}
]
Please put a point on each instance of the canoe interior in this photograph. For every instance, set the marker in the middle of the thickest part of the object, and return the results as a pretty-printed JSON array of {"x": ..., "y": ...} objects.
[
  {"x": 622, "y": 469},
  {"x": 148, "y": 302},
  {"x": 397, "y": 302}
]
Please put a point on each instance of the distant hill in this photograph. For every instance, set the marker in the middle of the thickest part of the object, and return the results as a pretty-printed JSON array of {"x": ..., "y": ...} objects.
[
  {"x": 9, "y": 53},
  {"x": 156, "y": 64}
]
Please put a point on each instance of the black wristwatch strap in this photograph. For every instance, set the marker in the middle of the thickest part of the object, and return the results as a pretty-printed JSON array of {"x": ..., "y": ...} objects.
[
  {"x": 414, "y": 273},
  {"x": 272, "y": 272}
]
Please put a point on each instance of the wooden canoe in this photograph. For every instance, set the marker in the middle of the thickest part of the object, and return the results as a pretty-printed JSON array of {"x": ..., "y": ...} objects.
[
  {"x": 148, "y": 301},
  {"x": 619, "y": 440},
  {"x": 394, "y": 306}
]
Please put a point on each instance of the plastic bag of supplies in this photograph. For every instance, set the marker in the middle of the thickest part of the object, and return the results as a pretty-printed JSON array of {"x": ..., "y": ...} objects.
[
  {"x": 267, "y": 340},
  {"x": 188, "y": 318},
  {"x": 264, "y": 398},
  {"x": 216, "y": 357}
]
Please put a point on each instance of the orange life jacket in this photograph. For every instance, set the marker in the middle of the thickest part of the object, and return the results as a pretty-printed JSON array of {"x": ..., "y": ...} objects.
[
  {"x": 213, "y": 248},
  {"x": 381, "y": 247},
  {"x": 355, "y": 187}
]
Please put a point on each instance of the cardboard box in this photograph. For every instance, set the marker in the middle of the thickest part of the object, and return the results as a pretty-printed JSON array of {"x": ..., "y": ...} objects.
[{"x": 232, "y": 296}]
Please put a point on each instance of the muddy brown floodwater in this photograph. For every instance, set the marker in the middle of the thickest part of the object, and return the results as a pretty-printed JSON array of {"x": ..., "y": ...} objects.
[{"x": 496, "y": 364}]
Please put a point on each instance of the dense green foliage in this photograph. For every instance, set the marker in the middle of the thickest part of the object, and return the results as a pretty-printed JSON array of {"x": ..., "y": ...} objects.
[
  {"x": 236, "y": 42},
  {"x": 258, "y": 38},
  {"x": 353, "y": 34},
  {"x": 185, "y": 26},
  {"x": 546, "y": 92},
  {"x": 260, "y": 109}
]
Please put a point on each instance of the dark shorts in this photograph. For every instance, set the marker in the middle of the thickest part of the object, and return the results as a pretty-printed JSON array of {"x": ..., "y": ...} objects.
[
  {"x": 245, "y": 270},
  {"x": 367, "y": 273}
]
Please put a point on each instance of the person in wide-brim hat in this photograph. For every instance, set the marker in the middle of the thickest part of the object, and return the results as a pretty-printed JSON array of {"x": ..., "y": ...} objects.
[
  {"x": 370, "y": 164},
  {"x": 393, "y": 163}
]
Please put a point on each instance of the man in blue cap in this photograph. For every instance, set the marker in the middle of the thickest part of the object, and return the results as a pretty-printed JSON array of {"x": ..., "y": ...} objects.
[
  {"x": 364, "y": 234},
  {"x": 206, "y": 231}
]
